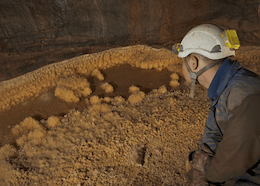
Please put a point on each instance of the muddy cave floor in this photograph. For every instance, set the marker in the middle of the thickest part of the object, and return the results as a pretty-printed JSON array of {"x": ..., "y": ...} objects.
[{"x": 128, "y": 144}]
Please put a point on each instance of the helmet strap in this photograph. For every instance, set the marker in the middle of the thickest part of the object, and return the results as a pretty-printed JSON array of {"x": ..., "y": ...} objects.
[{"x": 194, "y": 76}]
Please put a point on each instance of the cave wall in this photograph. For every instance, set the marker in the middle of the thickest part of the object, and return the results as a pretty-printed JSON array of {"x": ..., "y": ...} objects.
[{"x": 35, "y": 33}]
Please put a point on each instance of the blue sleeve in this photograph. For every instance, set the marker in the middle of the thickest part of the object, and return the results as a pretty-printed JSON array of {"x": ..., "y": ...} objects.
[{"x": 212, "y": 134}]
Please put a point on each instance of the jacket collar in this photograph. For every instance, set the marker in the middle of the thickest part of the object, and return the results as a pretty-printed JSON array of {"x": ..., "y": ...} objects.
[{"x": 225, "y": 72}]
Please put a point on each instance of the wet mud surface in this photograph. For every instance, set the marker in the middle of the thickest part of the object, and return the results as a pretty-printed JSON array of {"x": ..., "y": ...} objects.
[
  {"x": 47, "y": 104},
  {"x": 107, "y": 143}
]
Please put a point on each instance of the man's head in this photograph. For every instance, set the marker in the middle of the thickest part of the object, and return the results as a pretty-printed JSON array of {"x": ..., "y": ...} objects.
[
  {"x": 203, "y": 49},
  {"x": 197, "y": 62}
]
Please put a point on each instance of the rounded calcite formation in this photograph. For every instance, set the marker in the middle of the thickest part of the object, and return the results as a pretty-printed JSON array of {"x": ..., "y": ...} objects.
[
  {"x": 96, "y": 73},
  {"x": 72, "y": 87},
  {"x": 107, "y": 87},
  {"x": 174, "y": 80},
  {"x": 162, "y": 89},
  {"x": 94, "y": 100},
  {"x": 53, "y": 121},
  {"x": 136, "y": 97},
  {"x": 133, "y": 89}
]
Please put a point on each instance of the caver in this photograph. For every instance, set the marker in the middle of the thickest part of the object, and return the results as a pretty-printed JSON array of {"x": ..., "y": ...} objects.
[{"x": 229, "y": 153}]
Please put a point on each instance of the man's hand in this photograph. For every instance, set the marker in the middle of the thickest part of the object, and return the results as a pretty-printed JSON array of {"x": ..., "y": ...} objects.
[
  {"x": 201, "y": 157},
  {"x": 199, "y": 160},
  {"x": 197, "y": 163},
  {"x": 199, "y": 178}
]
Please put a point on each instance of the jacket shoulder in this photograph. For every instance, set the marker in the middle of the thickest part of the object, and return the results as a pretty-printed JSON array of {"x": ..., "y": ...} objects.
[{"x": 242, "y": 85}]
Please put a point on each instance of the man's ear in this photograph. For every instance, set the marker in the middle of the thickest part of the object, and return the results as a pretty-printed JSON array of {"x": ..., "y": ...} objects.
[{"x": 194, "y": 63}]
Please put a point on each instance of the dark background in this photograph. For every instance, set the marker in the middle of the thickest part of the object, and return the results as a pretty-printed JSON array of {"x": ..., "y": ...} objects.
[{"x": 34, "y": 33}]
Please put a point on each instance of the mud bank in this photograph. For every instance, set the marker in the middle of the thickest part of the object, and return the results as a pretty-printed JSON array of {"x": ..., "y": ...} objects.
[{"x": 97, "y": 133}]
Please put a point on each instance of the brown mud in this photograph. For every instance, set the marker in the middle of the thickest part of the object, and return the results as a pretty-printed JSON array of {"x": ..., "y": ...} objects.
[
  {"x": 109, "y": 139},
  {"x": 46, "y": 105}
]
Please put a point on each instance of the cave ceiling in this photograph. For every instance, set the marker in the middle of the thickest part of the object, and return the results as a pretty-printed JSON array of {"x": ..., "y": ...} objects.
[{"x": 34, "y": 34}]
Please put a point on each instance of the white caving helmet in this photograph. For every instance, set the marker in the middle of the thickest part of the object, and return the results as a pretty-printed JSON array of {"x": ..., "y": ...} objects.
[{"x": 210, "y": 41}]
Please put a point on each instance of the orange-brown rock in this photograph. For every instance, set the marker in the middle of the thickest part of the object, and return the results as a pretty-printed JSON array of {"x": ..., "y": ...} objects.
[{"x": 36, "y": 33}]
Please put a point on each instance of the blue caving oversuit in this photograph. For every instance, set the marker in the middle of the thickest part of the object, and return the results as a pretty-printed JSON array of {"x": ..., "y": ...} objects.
[{"x": 232, "y": 129}]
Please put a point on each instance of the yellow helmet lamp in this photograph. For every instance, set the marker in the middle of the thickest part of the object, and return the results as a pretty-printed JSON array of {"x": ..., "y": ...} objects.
[{"x": 231, "y": 39}]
